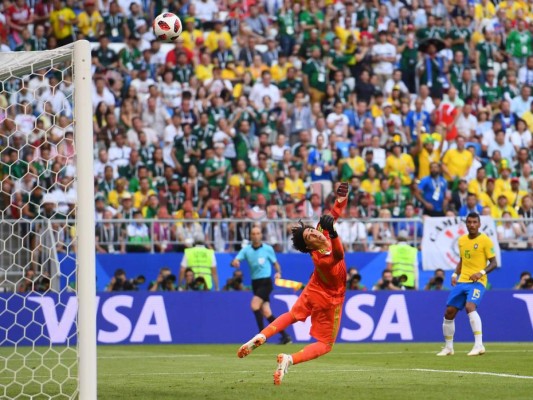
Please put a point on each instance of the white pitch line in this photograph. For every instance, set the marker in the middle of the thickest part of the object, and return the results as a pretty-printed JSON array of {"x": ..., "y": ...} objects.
[
  {"x": 444, "y": 371},
  {"x": 307, "y": 371}
]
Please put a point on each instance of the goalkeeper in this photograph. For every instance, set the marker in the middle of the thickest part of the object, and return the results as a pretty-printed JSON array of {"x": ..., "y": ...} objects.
[{"x": 323, "y": 296}]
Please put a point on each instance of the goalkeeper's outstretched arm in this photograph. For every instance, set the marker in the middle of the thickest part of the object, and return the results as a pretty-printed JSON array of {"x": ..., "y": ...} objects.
[{"x": 340, "y": 203}]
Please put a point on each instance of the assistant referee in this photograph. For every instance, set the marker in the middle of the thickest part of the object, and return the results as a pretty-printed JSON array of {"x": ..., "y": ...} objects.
[{"x": 260, "y": 257}]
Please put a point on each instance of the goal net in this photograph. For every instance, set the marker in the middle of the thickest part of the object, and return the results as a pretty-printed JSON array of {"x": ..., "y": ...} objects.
[{"x": 47, "y": 288}]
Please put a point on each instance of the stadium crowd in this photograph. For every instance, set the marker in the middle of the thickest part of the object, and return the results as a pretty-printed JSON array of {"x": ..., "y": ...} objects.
[{"x": 260, "y": 108}]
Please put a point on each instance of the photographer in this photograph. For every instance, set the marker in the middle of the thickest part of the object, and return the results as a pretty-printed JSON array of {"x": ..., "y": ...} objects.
[
  {"x": 387, "y": 282},
  {"x": 525, "y": 281},
  {"x": 437, "y": 281},
  {"x": 355, "y": 283},
  {"x": 235, "y": 283},
  {"x": 165, "y": 281},
  {"x": 119, "y": 282}
]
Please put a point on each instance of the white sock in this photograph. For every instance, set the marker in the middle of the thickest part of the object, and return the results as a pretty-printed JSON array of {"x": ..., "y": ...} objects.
[
  {"x": 448, "y": 329},
  {"x": 475, "y": 323}
]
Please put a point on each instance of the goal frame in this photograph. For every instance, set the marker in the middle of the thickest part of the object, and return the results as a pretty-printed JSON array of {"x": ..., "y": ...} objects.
[{"x": 85, "y": 220}]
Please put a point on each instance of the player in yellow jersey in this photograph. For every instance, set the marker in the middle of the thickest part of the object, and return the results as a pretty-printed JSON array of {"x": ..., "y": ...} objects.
[{"x": 475, "y": 249}]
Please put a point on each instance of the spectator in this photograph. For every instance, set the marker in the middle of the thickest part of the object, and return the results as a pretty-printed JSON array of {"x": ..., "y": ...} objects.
[
  {"x": 109, "y": 236},
  {"x": 355, "y": 283},
  {"x": 138, "y": 235}
]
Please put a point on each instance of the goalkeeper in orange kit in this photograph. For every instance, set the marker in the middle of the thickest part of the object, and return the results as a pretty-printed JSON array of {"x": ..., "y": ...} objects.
[{"x": 323, "y": 296}]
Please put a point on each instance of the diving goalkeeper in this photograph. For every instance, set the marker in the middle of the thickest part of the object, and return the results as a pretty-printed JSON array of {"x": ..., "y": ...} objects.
[{"x": 323, "y": 296}]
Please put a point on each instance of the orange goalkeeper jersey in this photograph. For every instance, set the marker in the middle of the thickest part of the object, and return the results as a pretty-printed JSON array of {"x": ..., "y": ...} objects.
[{"x": 328, "y": 282}]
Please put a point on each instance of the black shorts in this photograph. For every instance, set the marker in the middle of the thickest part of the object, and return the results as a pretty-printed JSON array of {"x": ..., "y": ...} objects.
[{"x": 262, "y": 288}]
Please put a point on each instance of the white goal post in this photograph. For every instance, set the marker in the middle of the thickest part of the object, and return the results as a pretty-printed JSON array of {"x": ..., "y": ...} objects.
[{"x": 33, "y": 362}]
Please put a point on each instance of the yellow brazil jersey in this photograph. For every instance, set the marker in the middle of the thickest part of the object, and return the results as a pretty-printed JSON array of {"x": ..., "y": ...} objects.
[
  {"x": 279, "y": 73},
  {"x": 370, "y": 186},
  {"x": 88, "y": 25},
  {"x": 61, "y": 30},
  {"x": 295, "y": 188},
  {"x": 424, "y": 159},
  {"x": 403, "y": 165},
  {"x": 357, "y": 164},
  {"x": 502, "y": 185},
  {"x": 212, "y": 40},
  {"x": 528, "y": 117},
  {"x": 204, "y": 72},
  {"x": 457, "y": 162},
  {"x": 497, "y": 212},
  {"x": 514, "y": 199},
  {"x": 475, "y": 254},
  {"x": 189, "y": 38},
  {"x": 343, "y": 34},
  {"x": 139, "y": 198},
  {"x": 510, "y": 9},
  {"x": 487, "y": 11},
  {"x": 477, "y": 188},
  {"x": 487, "y": 201}
]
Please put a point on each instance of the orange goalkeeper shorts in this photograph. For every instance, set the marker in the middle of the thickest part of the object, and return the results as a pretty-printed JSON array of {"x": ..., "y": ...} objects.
[{"x": 325, "y": 318}]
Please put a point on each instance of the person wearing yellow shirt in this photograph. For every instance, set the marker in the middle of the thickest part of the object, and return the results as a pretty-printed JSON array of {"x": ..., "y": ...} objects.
[
  {"x": 372, "y": 183},
  {"x": 354, "y": 164},
  {"x": 215, "y": 35},
  {"x": 204, "y": 70},
  {"x": 114, "y": 197},
  {"x": 140, "y": 197},
  {"x": 239, "y": 178},
  {"x": 377, "y": 108},
  {"x": 400, "y": 163},
  {"x": 62, "y": 20},
  {"x": 488, "y": 197},
  {"x": 427, "y": 154},
  {"x": 484, "y": 10},
  {"x": 343, "y": 34},
  {"x": 294, "y": 185},
  {"x": 503, "y": 183},
  {"x": 502, "y": 206},
  {"x": 279, "y": 70},
  {"x": 515, "y": 195},
  {"x": 191, "y": 35},
  {"x": 478, "y": 185},
  {"x": 457, "y": 162},
  {"x": 510, "y": 7},
  {"x": 90, "y": 22}
]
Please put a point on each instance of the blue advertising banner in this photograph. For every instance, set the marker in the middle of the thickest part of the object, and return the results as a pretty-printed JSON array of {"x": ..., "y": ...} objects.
[
  {"x": 295, "y": 266},
  {"x": 225, "y": 317}
]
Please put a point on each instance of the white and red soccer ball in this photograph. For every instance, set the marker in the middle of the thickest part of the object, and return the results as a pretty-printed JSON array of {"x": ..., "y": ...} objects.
[{"x": 167, "y": 27}]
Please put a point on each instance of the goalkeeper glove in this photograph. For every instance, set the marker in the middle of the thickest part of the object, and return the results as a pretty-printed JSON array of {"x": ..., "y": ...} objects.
[
  {"x": 327, "y": 222},
  {"x": 342, "y": 190}
]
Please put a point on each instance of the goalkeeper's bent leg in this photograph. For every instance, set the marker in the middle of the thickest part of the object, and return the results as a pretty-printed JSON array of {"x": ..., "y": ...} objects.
[
  {"x": 279, "y": 324},
  {"x": 311, "y": 351}
]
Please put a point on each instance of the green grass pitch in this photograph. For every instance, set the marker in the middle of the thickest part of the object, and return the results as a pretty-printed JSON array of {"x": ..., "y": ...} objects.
[{"x": 350, "y": 371}]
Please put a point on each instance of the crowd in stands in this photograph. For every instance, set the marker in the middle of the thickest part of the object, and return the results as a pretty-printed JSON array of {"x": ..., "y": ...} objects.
[{"x": 260, "y": 108}]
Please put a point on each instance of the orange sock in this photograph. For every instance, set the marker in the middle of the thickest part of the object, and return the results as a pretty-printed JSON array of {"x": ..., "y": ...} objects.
[
  {"x": 279, "y": 324},
  {"x": 310, "y": 352}
]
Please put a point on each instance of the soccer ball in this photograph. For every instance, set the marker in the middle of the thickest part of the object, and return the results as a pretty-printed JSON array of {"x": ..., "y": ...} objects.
[{"x": 167, "y": 27}]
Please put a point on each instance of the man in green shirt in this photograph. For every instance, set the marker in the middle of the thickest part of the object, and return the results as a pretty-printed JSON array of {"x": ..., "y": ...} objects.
[
  {"x": 260, "y": 177},
  {"x": 397, "y": 197},
  {"x": 186, "y": 149},
  {"x": 218, "y": 168},
  {"x": 518, "y": 43},
  {"x": 243, "y": 142},
  {"x": 286, "y": 25},
  {"x": 290, "y": 86},
  {"x": 491, "y": 91},
  {"x": 461, "y": 36},
  {"x": 369, "y": 13},
  {"x": 315, "y": 76},
  {"x": 486, "y": 54},
  {"x": 310, "y": 18},
  {"x": 204, "y": 131}
]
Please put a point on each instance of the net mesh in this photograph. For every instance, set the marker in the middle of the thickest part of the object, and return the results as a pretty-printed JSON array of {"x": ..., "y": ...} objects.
[{"x": 38, "y": 354}]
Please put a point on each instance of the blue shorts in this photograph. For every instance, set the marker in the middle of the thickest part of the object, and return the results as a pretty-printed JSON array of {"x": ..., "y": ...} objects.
[{"x": 466, "y": 292}]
